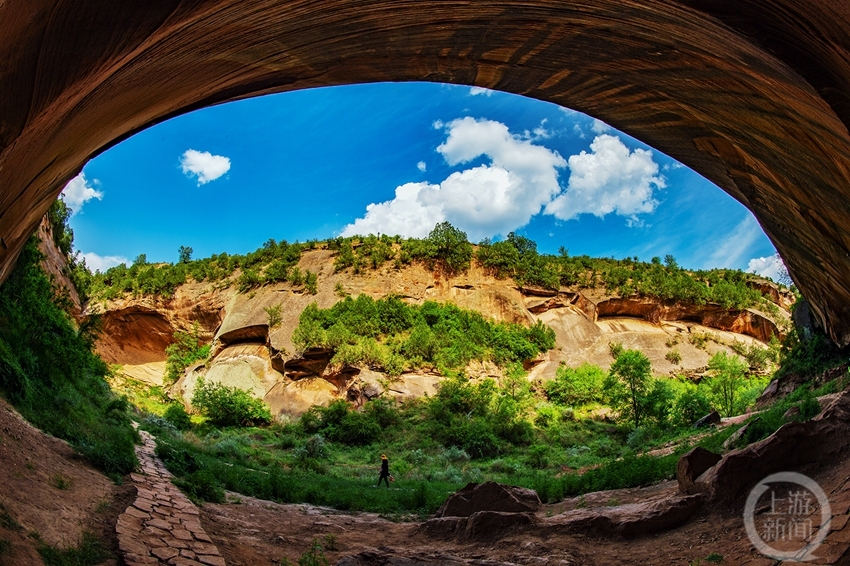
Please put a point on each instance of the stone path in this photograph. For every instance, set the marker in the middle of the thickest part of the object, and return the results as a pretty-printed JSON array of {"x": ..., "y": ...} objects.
[{"x": 162, "y": 526}]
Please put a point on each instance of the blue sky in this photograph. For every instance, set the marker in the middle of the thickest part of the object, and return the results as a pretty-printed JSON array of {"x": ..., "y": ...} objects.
[{"x": 307, "y": 164}]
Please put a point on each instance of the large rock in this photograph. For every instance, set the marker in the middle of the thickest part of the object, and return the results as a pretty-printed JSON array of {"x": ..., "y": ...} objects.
[
  {"x": 295, "y": 398},
  {"x": 691, "y": 466},
  {"x": 489, "y": 496},
  {"x": 634, "y": 519},
  {"x": 243, "y": 366},
  {"x": 796, "y": 444},
  {"x": 480, "y": 526}
]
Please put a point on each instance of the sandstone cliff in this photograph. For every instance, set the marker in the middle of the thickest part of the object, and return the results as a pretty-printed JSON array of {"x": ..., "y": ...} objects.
[{"x": 247, "y": 353}]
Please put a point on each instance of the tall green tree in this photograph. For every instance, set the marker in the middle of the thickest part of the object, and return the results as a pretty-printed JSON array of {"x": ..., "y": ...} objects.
[
  {"x": 629, "y": 384},
  {"x": 450, "y": 247},
  {"x": 728, "y": 380},
  {"x": 185, "y": 253}
]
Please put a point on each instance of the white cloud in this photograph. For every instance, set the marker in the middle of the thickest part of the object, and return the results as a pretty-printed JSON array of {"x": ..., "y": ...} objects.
[
  {"x": 476, "y": 90},
  {"x": 732, "y": 249},
  {"x": 609, "y": 179},
  {"x": 421, "y": 166},
  {"x": 485, "y": 200},
  {"x": 578, "y": 131},
  {"x": 101, "y": 263},
  {"x": 599, "y": 127},
  {"x": 770, "y": 266},
  {"x": 79, "y": 191},
  {"x": 204, "y": 165},
  {"x": 437, "y": 125},
  {"x": 404, "y": 215}
]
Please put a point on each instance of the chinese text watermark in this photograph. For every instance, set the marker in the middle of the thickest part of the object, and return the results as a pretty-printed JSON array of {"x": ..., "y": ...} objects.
[{"x": 785, "y": 529}]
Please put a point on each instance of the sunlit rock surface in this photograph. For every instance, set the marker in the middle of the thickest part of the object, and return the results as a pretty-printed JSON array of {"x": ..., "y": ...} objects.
[{"x": 249, "y": 354}]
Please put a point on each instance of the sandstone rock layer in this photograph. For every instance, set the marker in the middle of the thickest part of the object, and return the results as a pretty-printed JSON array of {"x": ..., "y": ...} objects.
[{"x": 753, "y": 94}]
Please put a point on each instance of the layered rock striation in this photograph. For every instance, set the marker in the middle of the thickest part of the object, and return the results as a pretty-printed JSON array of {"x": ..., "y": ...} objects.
[{"x": 250, "y": 354}]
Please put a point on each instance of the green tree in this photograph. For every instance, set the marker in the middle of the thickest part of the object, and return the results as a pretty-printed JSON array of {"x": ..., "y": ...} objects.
[
  {"x": 629, "y": 383},
  {"x": 729, "y": 377},
  {"x": 63, "y": 236},
  {"x": 185, "y": 253},
  {"x": 187, "y": 348},
  {"x": 450, "y": 246},
  {"x": 229, "y": 406},
  {"x": 576, "y": 386}
]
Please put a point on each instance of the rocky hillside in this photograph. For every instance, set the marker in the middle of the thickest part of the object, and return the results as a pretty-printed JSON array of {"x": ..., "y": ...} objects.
[{"x": 248, "y": 353}]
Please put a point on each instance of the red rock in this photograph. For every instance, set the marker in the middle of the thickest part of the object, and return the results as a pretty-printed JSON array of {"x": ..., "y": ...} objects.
[
  {"x": 691, "y": 466},
  {"x": 489, "y": 496}
]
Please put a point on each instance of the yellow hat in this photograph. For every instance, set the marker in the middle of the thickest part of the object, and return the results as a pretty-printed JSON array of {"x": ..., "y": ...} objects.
[{"x": 383, "y": 456}]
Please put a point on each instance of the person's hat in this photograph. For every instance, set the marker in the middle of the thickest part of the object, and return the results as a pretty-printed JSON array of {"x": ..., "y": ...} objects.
[{"x": 383, "y": 456}]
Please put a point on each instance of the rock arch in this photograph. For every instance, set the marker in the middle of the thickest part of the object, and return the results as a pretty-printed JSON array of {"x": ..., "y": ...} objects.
[{"x": 753, "y": 94}]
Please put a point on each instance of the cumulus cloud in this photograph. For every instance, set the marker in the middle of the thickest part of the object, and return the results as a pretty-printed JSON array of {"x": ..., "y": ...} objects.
[
  {"x": 421, "y": 166},
  {"x": 770, "y": 266},
  {"x": 600, "y": 127},
  {"x": 204, "y": 165},
  {"x": 102, "y": 263},
  {"x": 488, "y": 199},
  {"x": 609, "y": 179},
  {"x": 477, "y": 90},
  {"x": 79, "y": 191}
]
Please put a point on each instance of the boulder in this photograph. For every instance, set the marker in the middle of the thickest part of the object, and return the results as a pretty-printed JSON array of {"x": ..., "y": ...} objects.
[
  {"x": 736, "y": 436},
  {"x": 414, "y": 385},
  {"x": 711, "y": 418},
  {"x": 821, "y": 440},
  {"x": 491, "y": 525},
  {"x": 312, "y": 363},
  {"x": 634, "y": 519},
  {"x": 295, "y": 398},
  {"x": 489, "y": 496},
  {"x": 691, "y": 466}
]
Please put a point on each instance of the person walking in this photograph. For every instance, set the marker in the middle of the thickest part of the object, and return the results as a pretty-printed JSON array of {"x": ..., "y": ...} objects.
[{"x": 385, "y": 471}]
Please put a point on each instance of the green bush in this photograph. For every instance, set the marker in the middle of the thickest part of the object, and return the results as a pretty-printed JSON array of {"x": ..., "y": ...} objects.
[
  {"x": 176, "y": 414},
  {"x": 576, "y": 386},
  {"x": 390, "y": 335},
  {"x": 229, "y": 406},
  {"x": 201, "y": 485},
  {"x": 49, "y": 372},
  {"x": 186, "y": 349}
]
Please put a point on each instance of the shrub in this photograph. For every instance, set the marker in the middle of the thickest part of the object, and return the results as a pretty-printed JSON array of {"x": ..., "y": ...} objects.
[
  {"x": 186, "y": 349},
  {"x": 673, "y": 356},
  {"x": 274, "y": 315},
  {"x": 690, "y": 406},
  {"x": 176, "y": 414},
  {"x": 229, "y": 406},
  {"x": 201, "y": 485},
  {"x": 577, "y": 386},
  {"x": 50, "y": 373}
]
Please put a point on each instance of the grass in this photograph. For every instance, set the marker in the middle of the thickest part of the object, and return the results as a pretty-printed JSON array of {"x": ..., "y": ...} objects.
[
  {"x": 60, "y": 482},
  {"x": 89, "y": 551}
]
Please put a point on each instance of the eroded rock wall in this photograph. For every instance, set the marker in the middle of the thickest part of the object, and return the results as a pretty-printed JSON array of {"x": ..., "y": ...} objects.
[{"x": 249, "y": 354}]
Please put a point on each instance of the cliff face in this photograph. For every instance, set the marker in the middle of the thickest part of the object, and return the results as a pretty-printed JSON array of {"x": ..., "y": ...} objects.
[{"x": 249, "y": 354}]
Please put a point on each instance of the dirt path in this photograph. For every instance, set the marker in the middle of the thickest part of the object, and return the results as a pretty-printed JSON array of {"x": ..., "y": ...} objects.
[{"x": 162, "y": 526}]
